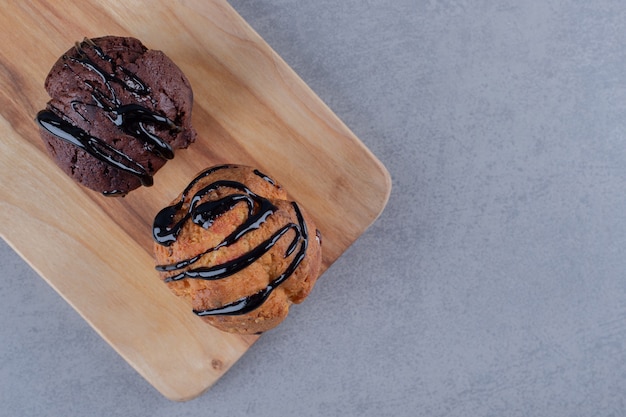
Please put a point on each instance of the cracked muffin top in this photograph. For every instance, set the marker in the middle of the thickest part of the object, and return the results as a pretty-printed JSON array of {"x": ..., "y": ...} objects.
[{"x": 117, "y": 113}]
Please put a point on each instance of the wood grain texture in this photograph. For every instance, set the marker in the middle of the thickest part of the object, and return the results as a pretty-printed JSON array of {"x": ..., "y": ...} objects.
[{"x": 249, "y": 108}]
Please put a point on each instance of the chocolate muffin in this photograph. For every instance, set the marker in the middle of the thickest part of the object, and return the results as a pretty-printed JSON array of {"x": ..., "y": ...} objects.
[
  {"x": 117, "y": 113},
  {"x": 237, "y": 249}
]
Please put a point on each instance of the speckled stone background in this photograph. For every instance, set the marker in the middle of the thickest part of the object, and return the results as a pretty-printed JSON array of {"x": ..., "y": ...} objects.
[{"x": 494, "y": 282}]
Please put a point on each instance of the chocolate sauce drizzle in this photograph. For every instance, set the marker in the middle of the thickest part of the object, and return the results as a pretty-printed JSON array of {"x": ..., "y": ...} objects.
[
  {"x": 265, "y": 177},
  {"x": 165, "y": 232},
  {"x": 131, "y": 118}
]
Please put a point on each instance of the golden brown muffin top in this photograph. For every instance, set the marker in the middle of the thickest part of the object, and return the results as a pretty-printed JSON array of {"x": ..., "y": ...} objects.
[{"x": 237, "y": 249}]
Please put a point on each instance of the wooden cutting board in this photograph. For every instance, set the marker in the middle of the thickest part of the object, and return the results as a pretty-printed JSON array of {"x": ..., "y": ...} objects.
[{"x": 249, "y": 108}]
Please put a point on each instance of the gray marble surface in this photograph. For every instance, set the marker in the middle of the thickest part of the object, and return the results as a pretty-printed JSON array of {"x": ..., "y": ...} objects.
[{"x": 494, "y": 282}]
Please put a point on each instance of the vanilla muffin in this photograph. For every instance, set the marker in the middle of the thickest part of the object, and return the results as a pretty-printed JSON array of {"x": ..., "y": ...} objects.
[
  {"x": 237, "y": 249},
  {"x": 117, "y": 113}
]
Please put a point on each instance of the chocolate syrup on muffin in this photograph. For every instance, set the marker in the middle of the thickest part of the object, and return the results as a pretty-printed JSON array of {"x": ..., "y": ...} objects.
[
  {"x": 117, "y": 112},
  {"x": 165, "y": 232},
  {"x": 130, "y": 118}
]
